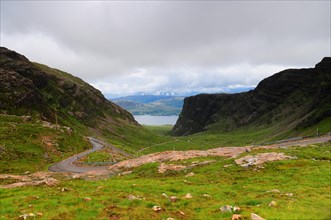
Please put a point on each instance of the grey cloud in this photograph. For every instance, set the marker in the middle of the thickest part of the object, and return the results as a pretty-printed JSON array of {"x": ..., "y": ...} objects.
[{"x": 113, "y": 39}]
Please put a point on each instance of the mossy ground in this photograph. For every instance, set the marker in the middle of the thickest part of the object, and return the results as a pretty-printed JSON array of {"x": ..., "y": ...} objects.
[{"x": 308, "y": 179}]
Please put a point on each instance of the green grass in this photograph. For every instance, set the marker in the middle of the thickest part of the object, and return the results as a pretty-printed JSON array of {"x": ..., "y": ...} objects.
[
  {"x": 249, "y": 135},
  {"x": 98, "y": 156},
  {"x": 160, "y": 129},
  {"x": 207, "y": 140},
  {"x": 23, "y": 146},
  {"x": 307, "y": 177}
]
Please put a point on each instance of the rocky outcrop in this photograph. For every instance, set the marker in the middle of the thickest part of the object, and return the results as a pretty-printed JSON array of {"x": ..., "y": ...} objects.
[
  {"x": 297, "y": 98},
  {"x": 36, "y": 179},
  {"x": 37, "y": 90},
  {"x": 258, "y": 159}
]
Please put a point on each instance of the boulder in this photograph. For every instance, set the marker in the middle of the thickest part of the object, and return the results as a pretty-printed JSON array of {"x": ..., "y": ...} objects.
[
  {"x": 226, "y": 208},
  {"x": 236, "y": 217},
  {"x": 256, "y": 217},
  {"x": 173, "y": 198},
  {"x": 189, "y": 174},
  {"x": 164, "y": 195},
  {"x": 272, "y": 204},
  {"x": 156, "y": 208},
  {"x": 132, "y": 197},
  {"x": 236, "y": 209},
  {"x": 87, "y": 199},
  {"x": 188, "y": 196}
]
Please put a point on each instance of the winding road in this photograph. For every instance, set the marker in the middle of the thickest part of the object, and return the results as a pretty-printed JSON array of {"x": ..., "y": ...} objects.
[{"x": 68, "y": 165}]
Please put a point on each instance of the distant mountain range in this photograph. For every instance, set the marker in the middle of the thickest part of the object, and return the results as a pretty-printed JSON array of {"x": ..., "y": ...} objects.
[{"x": 158, "y": 105}]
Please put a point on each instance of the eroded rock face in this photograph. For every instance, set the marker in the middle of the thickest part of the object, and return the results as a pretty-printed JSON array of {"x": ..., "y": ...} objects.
[{"x": 299, "y": 91}]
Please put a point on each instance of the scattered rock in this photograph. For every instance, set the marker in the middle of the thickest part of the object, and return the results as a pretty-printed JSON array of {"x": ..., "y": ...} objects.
[
  {"x": 164, "y": 195},
  {"x": 236, "y": 209},
  {"x": 64, "y": 189},
  {"x": 87, "y": 199},
  {"x": 258, "y": 159},
  {"x": 25, "y": 216},
  {"x": 236, "y": 217},
  {"x": 227, "y": 165},
  {"x": 179, "y": 155},
  {"x": 50, "y": 182},
  {"x": 125, "y": 173},
  {"x": 174, "y": 167},
  {"x": 273, "y": 191},
  {"x": 189, "y": 174},
  {"x": 30, "y": 182},
  {"x": 256, "y": 217},
  {"x": 188, "y": 196},
  {"x": 173, "y": 198},
  {"x": 156, "y": 208},
  {"x": 272, "y": 204},
  {"x": 182, "y": 213},
  {"x": 226, "y": 208},
  {"x": 132, "y": 197},
  {"x": 170, "y": 219},
  {"x": 26, "y": 118},
  {"x": 39, "y": 214},
  {"x": 206, "y": 195},
  {"x": 99, "y": 188},
  {"x": 188, "y": 182},
  {"x": 289, "y": 194}
]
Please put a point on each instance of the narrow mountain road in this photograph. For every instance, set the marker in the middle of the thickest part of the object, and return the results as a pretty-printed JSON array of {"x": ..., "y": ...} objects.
[
  {"x": 299, "y": 142},
  {"x": 68, "y": 165}
]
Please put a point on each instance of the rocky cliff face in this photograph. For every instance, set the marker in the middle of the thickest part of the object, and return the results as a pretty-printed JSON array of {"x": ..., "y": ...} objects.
[
  {"x": 293, "y": 98},
  {"x": 35, "y": 89}
]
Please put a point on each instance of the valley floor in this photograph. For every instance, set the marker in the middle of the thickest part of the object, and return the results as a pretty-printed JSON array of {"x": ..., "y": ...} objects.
[{"x": 294, "y": 187}]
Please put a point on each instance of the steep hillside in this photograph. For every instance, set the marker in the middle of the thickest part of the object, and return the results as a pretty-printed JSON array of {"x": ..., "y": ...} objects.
[
  {"x": 35, "y": 89},
  {"x": 151, "y": 104},
  {"x": 293, "y": 99},
  {"x": 45, "y": 114}
]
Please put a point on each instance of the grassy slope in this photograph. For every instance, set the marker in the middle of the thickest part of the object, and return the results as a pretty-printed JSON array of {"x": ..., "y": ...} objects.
[
  {"x": 23, "y": 146},
  {"x": 240, "y": 137},
  {"x": 307, "y": 177},
  {"x": 117, "y": 132}
]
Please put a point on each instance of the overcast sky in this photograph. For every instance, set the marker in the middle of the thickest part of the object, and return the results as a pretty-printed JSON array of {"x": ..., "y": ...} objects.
[{"x": 127, "y": 47}]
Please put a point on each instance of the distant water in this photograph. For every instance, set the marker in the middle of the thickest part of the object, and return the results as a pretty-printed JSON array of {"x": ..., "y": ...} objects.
[{"x": 156, "y": 120}]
